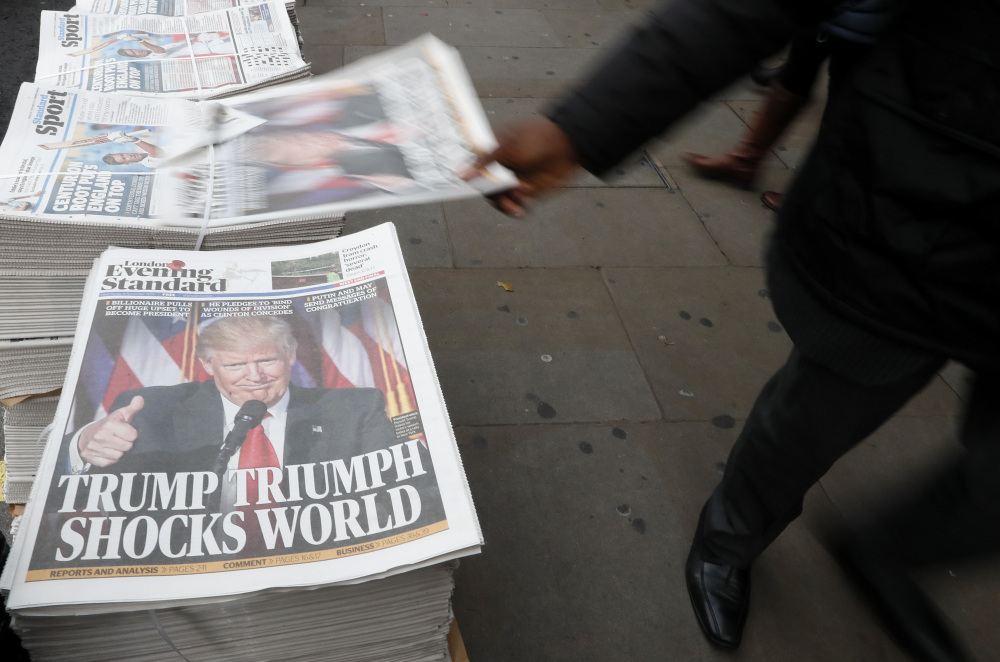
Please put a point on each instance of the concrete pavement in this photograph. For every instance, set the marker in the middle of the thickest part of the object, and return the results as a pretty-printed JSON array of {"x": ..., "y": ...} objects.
[{"x": 596, "y": 403}]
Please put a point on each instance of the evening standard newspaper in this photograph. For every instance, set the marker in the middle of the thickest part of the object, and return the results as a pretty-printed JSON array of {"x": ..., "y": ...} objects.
[
  {"x": 324, "y": 343},
  {"x": 160, "y": 7},
  {"x": 403, "y": 127},
  {"x": 202, "y": 56}
]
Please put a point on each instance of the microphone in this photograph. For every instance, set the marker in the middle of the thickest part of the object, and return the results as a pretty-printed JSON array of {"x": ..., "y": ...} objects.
[{"x": 247, "y": 418}]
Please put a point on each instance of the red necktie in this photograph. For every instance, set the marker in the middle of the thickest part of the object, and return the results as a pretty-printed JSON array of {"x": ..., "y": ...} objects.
[{"x": 256, "y": 453}]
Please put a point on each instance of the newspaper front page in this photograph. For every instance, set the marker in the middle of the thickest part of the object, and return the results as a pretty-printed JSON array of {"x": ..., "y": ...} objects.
[
  {"x": 156, "y": 487},
  {"x": 207, "y": 55}
]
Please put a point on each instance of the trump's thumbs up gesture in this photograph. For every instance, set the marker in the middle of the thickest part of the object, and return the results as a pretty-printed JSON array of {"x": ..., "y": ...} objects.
[{"x": 104, "y": 442}]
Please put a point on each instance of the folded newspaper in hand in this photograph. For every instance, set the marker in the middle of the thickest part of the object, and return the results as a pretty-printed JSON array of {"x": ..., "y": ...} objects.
[
  {"x": 154, "y": 490},
  {"x": 197, "y": 56}
]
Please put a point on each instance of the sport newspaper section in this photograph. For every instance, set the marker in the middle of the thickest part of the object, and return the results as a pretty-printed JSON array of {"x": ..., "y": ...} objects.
[
  {"x": 344, "y": 309},
  {"x": 103, "y": 156},
  {"x": 199, "y": 56}
]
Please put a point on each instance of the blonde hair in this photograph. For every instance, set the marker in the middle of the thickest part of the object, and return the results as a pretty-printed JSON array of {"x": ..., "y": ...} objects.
[{"x": 238, "y": 333}]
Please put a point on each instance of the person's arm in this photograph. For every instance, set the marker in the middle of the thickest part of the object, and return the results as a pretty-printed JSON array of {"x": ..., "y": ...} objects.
[{"x": 682, "y": 54}]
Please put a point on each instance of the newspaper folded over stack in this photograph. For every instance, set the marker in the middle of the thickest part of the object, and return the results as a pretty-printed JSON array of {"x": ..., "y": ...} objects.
[
  {"x": 245, "y": 441},
  {"x": 198, "y": 56},
  {"x": 279, "y": 166}
]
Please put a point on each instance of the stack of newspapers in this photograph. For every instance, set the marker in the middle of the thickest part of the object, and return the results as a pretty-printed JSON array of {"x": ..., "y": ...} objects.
[
  {"x": 204, "y": 55},
  {"x": 23, "y": 428},
  {"x": 87, "y": 170},
  {"x": 160, "y": 527}
]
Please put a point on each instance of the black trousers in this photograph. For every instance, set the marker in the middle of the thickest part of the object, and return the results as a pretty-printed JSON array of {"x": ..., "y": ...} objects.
[{"x": 808, "y": 416}]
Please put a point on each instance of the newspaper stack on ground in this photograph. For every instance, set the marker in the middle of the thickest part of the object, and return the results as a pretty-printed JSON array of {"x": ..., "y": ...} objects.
[
  {"x": 201, "y": 56},
  {"x": 244, "y": 442},
  {"x": 85, "y": 170}
]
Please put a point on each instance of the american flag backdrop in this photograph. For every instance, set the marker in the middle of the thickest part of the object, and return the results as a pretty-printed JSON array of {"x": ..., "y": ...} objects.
[
  {"x": 353, "y": 345},
  {"x": 359, "y": 346},
  {"x": 124, "y": 353}
]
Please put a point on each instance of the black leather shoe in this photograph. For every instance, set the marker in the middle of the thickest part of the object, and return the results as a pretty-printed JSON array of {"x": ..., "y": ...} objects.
[{"x": 720, "y": 595}]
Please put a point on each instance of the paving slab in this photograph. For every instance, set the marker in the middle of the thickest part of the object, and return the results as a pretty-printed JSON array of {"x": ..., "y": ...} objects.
[
  {"x": 507, "y": 71},
  {"x": 720, "y": 341},
  {"x": 334, "y": 25},
  {"x": 635, "y": 171},
  {"x": 470, "y": 26},
  {"x": 421, "y": 229},
  {"x": 589, "y": 29},
  {"x": 633, "y": 5},
  {"x": 742, "y": 89},
  {"x": 323, "y": 57},
  {"x": 551, "y": 350},
  {"x": 735, "y": 217},
  {"x": 959, "y": 378},
  {"x": 584, "y": 227},
  {"x": 895, "y": 459},
  {"x": 581, "y": 556},
  {"x": 966, "y": 593},
  {"x": 801, "y": 607},
  {"x": 708, "y": 339},
  {"x": 585, "y": 546},
  {"x": 579, "y": 5},
  {"x": 714, "y": 129}
]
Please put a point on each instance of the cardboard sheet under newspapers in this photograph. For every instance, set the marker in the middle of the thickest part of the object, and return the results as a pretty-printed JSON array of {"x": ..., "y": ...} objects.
[{"x": 366, "y": 479}]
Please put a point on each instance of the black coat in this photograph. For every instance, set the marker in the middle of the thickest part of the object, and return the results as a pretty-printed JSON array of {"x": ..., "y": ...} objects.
[{"x": 894, "y": 221}]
